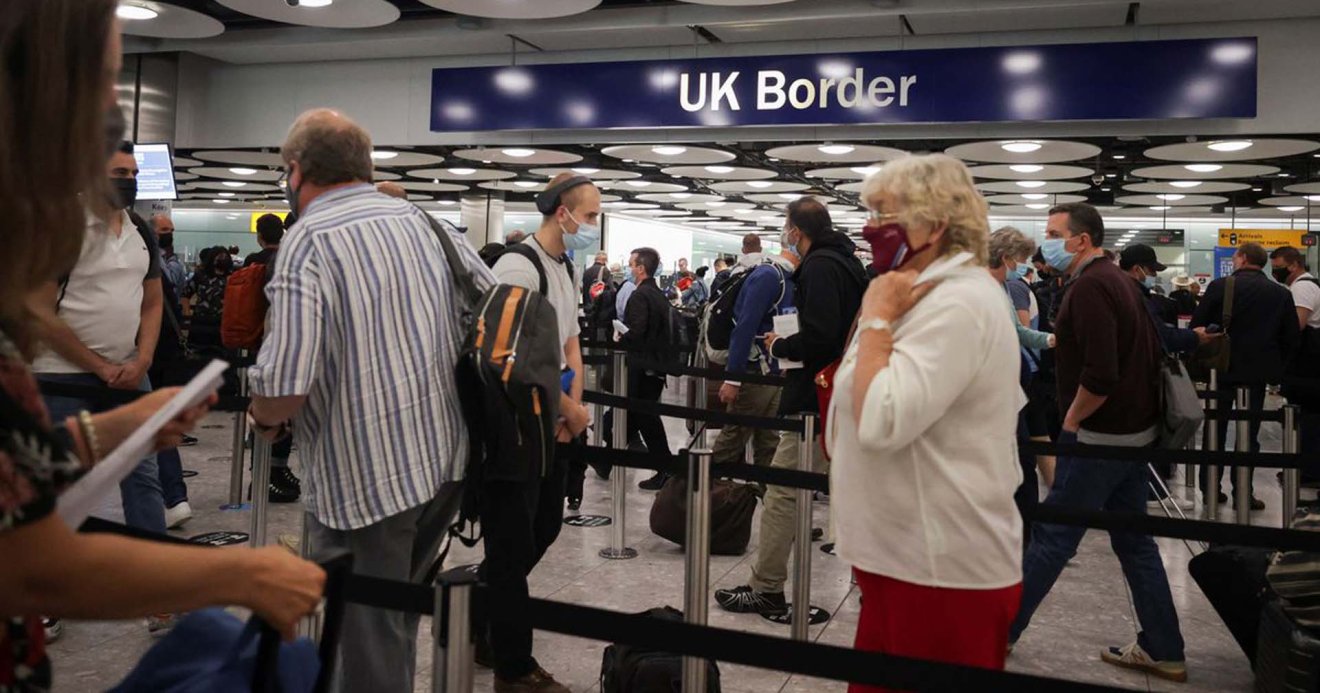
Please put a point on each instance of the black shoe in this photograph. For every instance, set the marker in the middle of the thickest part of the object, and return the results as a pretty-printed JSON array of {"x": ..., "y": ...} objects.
[
  {"x": 817, "y": 534},
  {"x": 1256, "y": 504},
  {"x": 484, "y": 654},
  {"x": 602, "y": 470},
  {"x": 655, "y": 483},
  {"x": 574, "y": 503},
  {"x": 188, "y": 441},
  {"x": 286, "y": 478},
  {"x": 745, "y": 600},
  {"x": 1223, "y": 498},
  {"x": 283, "y": 488}
]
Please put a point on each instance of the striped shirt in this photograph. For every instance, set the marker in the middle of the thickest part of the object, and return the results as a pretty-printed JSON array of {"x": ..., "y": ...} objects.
[{"x": 364, "y": 320}]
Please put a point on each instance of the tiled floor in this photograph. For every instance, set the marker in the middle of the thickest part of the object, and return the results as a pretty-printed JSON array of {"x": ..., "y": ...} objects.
[{"x": 1087, "y": 610}]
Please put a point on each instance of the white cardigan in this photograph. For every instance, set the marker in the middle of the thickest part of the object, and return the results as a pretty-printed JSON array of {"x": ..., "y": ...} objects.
[{"x": 923, "y": 490}]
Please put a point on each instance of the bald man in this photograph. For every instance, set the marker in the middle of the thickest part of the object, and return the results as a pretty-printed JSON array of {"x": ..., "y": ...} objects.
[
  {"x": 392, "y": 189},
  {"x": 171, "y": 267}
]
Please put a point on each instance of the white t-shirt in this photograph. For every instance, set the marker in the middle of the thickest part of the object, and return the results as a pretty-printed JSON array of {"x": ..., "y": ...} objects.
[
  {"x": 1306, "y": 294},
  {"x": 517, "y": 270},
  {"x": 102, "y": 302}
]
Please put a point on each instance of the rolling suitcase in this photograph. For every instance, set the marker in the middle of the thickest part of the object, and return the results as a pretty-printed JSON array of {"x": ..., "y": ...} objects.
[
  {"x": 1233, "y": 580},
  {"x": 1287, "y": 656}
]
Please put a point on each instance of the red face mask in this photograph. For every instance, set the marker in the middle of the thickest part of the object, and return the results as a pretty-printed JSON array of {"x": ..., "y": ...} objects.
[{"x": 889, "y": 246}]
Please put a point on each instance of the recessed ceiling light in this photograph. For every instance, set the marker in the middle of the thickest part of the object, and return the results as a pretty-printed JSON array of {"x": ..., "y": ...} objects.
[
  {"x": 460, "y": 171},
  {"x": 1020, "y": 146},
  {"x": 1229, "y": 145},
  {"x": 448, "y": 202},
  {"x": 1111, "y": 175},
  {"x": 1034, "y": 196},
  {"x": 835, "y": 149},
  {"x": 221, "y": 202},
  {"x": 788, "y": 196},
  {"x": 1171, "y": 198},
  {"x": 1160, "y": 209},
  {"x": 243, "y": 171},
  {"x": 227, "y": 194},
  {"x": 865, "y": 170},
  {"x": 720, "y": 169},
  {"x": 680, "y": 195},
  {"x": 716, "y": 203},
  {"x": 762, "y": 184},
  {"x": 315, "y": 3},
  {"x": 1120, "y": 157},
  {"x": 1185, "y": 183},
  {"x": 1285, "y": 174},
  {"x": 518, "y": 152},
  {"x": 639, "y": 183},
  {"x": 1037, "y": 205},
  {"x": 1313, "y": 198},
  {"x": 1105, "y": 189},
  {"x": 1203, "y": 168},
  {"x": 526, "y": 183},
  {"x": 668, "y": 149},
  {"x": 1290, "y": 208},
  {"x": 1031, "y": 184},
  {"x": 135, "y": 12},
  {"x": 1027, "y": 168},
  {"x": 1255, "y": 190},
  {"x": 586, "y": 170},
  {"x": 382, "y": 154},
  {"x": 233, "y": 183}
]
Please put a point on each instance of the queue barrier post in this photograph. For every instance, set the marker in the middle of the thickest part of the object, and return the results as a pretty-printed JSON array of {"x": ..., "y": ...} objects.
[
  {"x": 451, "y": 628},
  {"x": 696, "y": 585},
  {"x": 1242, "y": 475},
  {"x": 309, "y": 627},
  {"x": 618, "y": 550},
  {"x": 237, "y": 458},
  {"x": 802, "y": 537},
  {"x": 1211, "y": 491},
  {"x": 1291, "y": 477},
  {"x": 699, "y": 383},
  {"x": 260, "y": 490}
]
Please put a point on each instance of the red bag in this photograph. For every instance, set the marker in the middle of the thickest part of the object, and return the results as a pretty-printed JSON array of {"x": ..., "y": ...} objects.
[
  {"x": 824, "y": 391},
  {"x": 244, "y": 318}
]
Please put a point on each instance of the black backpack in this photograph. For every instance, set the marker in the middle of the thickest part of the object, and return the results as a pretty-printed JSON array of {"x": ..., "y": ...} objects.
[
  {"x": 508, "y": 376},
  {"x": 626, "y": 669},
  {"x": 719, "y": 320}
]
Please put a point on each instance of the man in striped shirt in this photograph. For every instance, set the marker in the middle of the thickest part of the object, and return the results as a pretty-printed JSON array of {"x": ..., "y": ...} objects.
[{"x": 362, "y": 338}]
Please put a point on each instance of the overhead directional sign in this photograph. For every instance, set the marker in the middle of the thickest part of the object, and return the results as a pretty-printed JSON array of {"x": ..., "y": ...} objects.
[{"x": 1157, "y": 80}]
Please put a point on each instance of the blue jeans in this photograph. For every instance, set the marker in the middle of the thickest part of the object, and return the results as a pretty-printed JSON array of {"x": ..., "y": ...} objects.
[
  {"x": 144, "y": 506},
  {"x": 171, "y": 477},
  {"x": 1117, "y": 487}
]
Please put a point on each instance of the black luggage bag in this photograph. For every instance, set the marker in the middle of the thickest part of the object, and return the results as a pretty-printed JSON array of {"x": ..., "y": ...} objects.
[
  {"x": 1233, "y": 580},
  {"x": 625, "y": 669},
  {"x": 1287, "y": 655}
]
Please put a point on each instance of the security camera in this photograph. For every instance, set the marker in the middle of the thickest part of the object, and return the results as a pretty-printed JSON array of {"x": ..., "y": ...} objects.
[{"x": 1097, "y": 178}]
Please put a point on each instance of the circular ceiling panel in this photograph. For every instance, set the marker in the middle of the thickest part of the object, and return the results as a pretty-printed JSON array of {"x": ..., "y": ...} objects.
[
  {"x": 1205, "y": 171},
  {"x": 1232, "y": 149},
  {"x": 418, "y": 197},
  {"x": 394, "y": 158},
  {"x": 379, "y": 175},
  {"x": 345, "y": 14},
  {"x": 243, "y": 187},
  {"x": 434, "y": 187},
  {"x": 1299, "y": 201},
  {"x": 184, "y": 175},
  {"x": 677, "y": 197},
  {"x": 672, "y": 154},
  {"x": 1031, "y": 186},
  {"x": 784, "y": 198},
  {"x": 522, "y": 186},
  {"x": 1019, "y": 210},
  {"x": 835, "y": 153},
  {"x": 518, "y": 156},
  {"x": 240, "y": 158},
  {"x": 1030, "y": 171},
  {"x": 237, "y": 173},
  {"x": 1032, "y": 199},
  {"x": 736, "y": 3},
  {"x": 713, "y": 205},
  {"x": 849, "y": 187},
  {"x": 1304, "y": 188},
  {"x": 844, "y": 173},
  {"x": 1023, "y": 151},
  {"x": 648, "y": 186},
  {"x": 514, "y": 9},
  {"x": 1186, "y": 186},
  {"x": 170, "y": 22},
  {"x": 675, "y": 213},
  {"x": 759, "y": 186},
  {"x": 718, "y": 172},
  {"x": 185, "y": 162},
  {"x": 1172, "y": 200},
  {"x": 461, "y": 173},
  {"x": 595, "y": 174}
]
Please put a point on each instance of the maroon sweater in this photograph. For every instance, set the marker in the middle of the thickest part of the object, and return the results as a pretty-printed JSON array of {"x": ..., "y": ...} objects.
[{"x": 1106, "y": 341}]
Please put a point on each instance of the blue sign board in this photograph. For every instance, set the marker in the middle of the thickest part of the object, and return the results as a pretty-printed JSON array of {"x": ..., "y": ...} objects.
[
  {"x": 1156, "y": 80},
  {"x": 1223, "y": 261}
]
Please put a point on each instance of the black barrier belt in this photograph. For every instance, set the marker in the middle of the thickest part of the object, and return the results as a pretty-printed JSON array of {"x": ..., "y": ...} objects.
[
  {"x": 1241, "y": 415},
  {"x": 785, "y": 655},
  {"x": 707, "y": 373},
  {"x": 1178, "y": 528},
  {"x": 707, "y": 415},
  {"x": 104, "y": 397},
  {"x": 615, "y": 346},
  {"x": 1254, "y": 460},
  {"x": 596, "y": 359},
  {"x": 393, "y": 595},
  {"x": 674, "y": 465}
]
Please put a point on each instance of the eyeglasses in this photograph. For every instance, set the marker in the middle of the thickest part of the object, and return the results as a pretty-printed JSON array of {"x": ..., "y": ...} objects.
[{"x": 873, "y": 215}]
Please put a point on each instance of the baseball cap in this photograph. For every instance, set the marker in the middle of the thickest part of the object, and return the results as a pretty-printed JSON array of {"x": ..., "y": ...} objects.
[{"x": 1139, "y": 255}]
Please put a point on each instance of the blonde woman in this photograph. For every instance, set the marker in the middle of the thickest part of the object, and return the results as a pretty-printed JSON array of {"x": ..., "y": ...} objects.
[{"x": 923, "y": 428}]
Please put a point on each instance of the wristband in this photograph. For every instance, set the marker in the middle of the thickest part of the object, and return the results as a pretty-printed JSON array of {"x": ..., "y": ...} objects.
[{"x": 874, "y": 324}]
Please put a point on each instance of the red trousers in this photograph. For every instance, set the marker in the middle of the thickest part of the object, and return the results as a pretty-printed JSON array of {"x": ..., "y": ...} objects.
[{"x": 935, "y": 623}]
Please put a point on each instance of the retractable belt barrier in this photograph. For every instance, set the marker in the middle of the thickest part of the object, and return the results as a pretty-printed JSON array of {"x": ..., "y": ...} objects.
[
  {"x": 1253, "y": 460},
  {"x": 707, "y": 415},
  {"x": 112, "y": 397}
]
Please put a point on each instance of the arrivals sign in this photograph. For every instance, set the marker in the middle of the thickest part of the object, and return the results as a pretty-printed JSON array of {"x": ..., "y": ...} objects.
[
  {"x": 1270, "y": 238},
  {"x": 1155, "y": 80}
]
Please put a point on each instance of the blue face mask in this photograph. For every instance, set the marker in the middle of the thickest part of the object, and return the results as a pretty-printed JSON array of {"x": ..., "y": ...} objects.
[
  {"x": 1056, "y": 254},
  {"x": 783, "y": 241},
  {"x": 1018, "y": 272},
  {"x": 587, "y": 235},
  {"x": 1150, "y": 282}
]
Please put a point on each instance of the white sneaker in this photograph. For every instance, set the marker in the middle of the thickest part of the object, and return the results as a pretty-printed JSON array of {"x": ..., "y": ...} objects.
[
  {"x": 1181, "y": 503},
  {"x": 1133, "y": 657},
  {"x": 177, "y": 515}
]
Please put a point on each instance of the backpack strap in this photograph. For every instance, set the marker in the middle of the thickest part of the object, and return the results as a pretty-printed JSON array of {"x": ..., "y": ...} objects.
[
  {"x": 524, "y": 250},
  {"x": 1228, "y": 303},
  {"x": 462, "y": 275}
]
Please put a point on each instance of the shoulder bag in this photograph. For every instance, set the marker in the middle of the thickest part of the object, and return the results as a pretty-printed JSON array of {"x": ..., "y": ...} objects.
[{"x": 1214, "y": 355}]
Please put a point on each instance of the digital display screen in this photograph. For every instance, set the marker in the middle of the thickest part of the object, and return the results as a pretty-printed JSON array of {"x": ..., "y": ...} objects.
[{"x": 155, "y": 172}]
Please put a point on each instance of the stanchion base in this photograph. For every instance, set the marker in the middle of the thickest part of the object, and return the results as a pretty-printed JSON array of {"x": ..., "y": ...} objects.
[
  {"x": 229, "y": 507},
  {"x": 817, "y": 616},
  {"x": 188, "y": 473},
  {"x": 622, "y": 554},
  {"x": 588, "y": 521},
  {"x": 828, "y": 548}
]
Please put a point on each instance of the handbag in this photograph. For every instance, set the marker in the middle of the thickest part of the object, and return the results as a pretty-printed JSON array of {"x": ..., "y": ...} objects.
[
  {"x": 825, "y": 388},
  {"x": 1180, "y": 409},
  {"x": 1213, "y": 355}
]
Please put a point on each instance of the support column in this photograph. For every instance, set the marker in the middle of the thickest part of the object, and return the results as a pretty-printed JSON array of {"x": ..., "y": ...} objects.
[{"x": 483, "y": 216}]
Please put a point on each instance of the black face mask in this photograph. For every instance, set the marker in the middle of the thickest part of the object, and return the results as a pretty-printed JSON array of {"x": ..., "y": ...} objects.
[
  {"x": 114, "y": 130},
  {"x": 224, "y": 265},
  {"x": 125, "y": 191},
  {"x": 166, "y": 242},
  {"x": 1280, "y": 274}
]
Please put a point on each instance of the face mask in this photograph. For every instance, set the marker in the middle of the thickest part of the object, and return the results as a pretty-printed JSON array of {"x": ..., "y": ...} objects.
[
  {"x": 1280, "y": 274},
  {"x": 224, "y": 265},
  {"x": 1149, "y": 282},
  {"x": 125, "y": 191},
  {"x": 291, "y": 195},
  {"x": 890, "y": 248},
  {"x": 114, "y": 130},
  {"x": 1056, "y": 253},
  {"x": 166, "y": 242},
  {"x": 1018, "y": 272},
  {"x": 587, "y": 235},
  {"x": 789, "y": 246}
]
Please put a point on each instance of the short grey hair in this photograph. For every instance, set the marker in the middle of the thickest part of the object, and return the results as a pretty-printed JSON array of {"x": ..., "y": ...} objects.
[
  {"x": 329, "y": 148},
  {"x": 1009, "y": 242},
  {"x": 931, "y": 191}
]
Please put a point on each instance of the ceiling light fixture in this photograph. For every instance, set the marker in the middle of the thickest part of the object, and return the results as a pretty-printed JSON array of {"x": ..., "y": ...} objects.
[
  {"x": 221, "y": 201},
  {"x": 448, "y": 202},
  {"x": 865, "y": 170},
  {"x": 1037, "y": 205},
  {"x": 227, "y": 194},
  {"x": 526, "y": 183},
  {"x": 1171, "y": 198},
  {"x": 716, "y": 203},
  {"x": 1034, "y": 196},
  {"x": 788, "y": 196},
  {"x": 1255, "y": 190},
  {"x": 836, "y": 149},
  {"x": 1021, "y": 146},
  {"x": 586, "y": 170},
  {"x": 518, "y": 152},
  {"x": 668, "y": 149},
  {"x": 381, "y": 154},
  {"x": 233, "y": 184},
  {"x": 460, "y": 171},
  {"x": 1313, "y": 198},
  {"x": 314, "y": 3},
  {"x": 1027, "y": 168},
  {"x": 719, "y": 169},
  {"x": 1185, "y": 183},
  {"x": 1203, "y": 168},
  {"x": 1230, "y": 145},
  {"x": 1031, "y": 184},
  {"x": 1290, "y": 208},
  {"x": 639, "y": 183},
  {"x": 760, "y": 184},
  {"x": 135, "y": 12},
  {"x": 680, "y": 195},
  {"x": 1120, "y": 157},
  {"x": 1161, "y": 208},
  {"x": 243, "y": 171}
]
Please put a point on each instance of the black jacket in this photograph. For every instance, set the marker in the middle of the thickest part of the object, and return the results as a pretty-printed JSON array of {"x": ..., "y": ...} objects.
[
  {"x": 1163, "y": 310},
  {"x": 647, "y": 320},
  {"x": 830, "y": 282},
  {"x": 1263, "y": 333}
]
